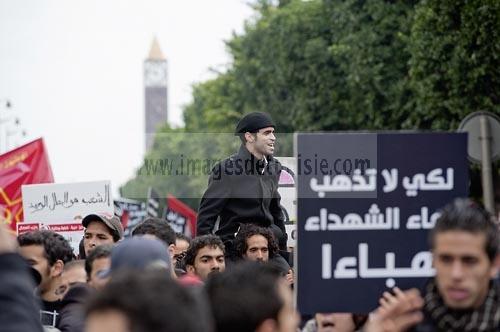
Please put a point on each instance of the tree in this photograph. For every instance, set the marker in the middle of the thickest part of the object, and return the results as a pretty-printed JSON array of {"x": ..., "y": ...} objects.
[
  {"x": 327, "y": 65},
  {"x": 341, "y": 65},
  {"x": 455, "y": 67},
  {"x": 315, "y": 65},
  {"x": 179, "y": 164}
]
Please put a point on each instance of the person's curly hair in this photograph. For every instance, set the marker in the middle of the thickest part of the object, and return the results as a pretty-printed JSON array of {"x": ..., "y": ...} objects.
[
  {"x": 248, "y": 230},
  {"x": 199, "y": 242}
]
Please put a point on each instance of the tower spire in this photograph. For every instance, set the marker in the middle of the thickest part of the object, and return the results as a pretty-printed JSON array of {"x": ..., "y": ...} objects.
[{"x": 155, "y": 52}]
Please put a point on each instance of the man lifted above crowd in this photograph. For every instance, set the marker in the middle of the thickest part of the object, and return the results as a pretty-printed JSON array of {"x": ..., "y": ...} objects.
[{"x": 244, "y": 187}]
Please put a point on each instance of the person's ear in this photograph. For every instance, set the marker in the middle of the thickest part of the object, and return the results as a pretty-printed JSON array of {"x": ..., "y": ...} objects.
[
  {"x": 57, "y": 268},
  {"x": 171, "y": 250},
  {"x": 495, "y": 266},
  {"x": 249, "y": 137},
  {"x": 269, "y": 325},
  {"x": 190, "y": 269}
]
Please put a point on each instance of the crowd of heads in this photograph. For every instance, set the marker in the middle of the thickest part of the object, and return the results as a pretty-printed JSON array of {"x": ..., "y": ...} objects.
[
  {"x": 158, "y": 280},
  {"x": 146, "y": 302}
]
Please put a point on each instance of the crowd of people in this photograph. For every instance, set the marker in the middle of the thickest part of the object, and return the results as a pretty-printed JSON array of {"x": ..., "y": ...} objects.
[
  {"x": 158, "y": 280},
  {"x": 237, "y": 274}
]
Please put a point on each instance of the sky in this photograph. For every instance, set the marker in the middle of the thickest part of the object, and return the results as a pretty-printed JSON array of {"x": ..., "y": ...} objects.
[{"x": 73, "y": 71}]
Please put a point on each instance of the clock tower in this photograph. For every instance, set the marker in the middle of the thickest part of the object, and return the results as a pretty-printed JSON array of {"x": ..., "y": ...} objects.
[{"x": 155, "y": 92}]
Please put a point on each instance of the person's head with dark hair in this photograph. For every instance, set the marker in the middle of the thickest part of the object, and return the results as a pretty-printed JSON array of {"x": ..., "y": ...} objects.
[
  {"x": 101, "y": 228},
  {"x": 255, "y": 243},
  {"x": 256, "y": 132},
  {"x": 205, "y": 256},
  {"x": 182, "y": 243},
  {"x": 75, "y": 270},
  {"x": 184, "y": 237},
  {"x": 468, "y": 216},
  {"x": 251, "y": 297},
  {"x": 140, "y": 302},
  {"x": 464, "y": 245},
  {"x": 98, "y": 261},
  {"x": 157, "y": 227},
  {"x": 73, "y": 273},
  {"x": 47, "y": 252}
]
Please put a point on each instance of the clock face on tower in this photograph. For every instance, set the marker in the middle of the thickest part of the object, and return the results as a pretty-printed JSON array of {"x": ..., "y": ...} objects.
[{"x": 155, "y": 73}]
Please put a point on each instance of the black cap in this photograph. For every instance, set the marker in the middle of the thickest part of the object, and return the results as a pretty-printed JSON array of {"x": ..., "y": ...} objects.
[{"x": 253, "y": 122}]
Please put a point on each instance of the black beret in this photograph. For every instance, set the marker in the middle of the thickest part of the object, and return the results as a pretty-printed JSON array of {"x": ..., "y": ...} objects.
[{"x": 254, "y": 121}]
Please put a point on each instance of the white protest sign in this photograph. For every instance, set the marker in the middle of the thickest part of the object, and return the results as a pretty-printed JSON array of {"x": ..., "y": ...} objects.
[
  {"x": 286, "y": 187},
  {"x": 61, "y": 207},
  {"x": 63, "y": 202},
  {"x": 366, "y": 204},
  {"x": 291, "y": 231},
  {"x": 288, "y": 193}
]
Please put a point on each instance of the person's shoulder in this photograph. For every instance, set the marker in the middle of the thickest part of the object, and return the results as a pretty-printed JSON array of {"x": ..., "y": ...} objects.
[
  {"x": 226, "y": 163},
  {"x": 224, "y": 168},
  {"x": 275, "y": 166},
  {"x": 276, "y": 162}
]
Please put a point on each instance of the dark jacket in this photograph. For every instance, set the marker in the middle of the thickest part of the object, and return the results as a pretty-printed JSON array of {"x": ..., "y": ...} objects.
[
  {"x": 19, "y": 310},
  {"x": 242, "y": 189},
  {"x": 72, "y": 314}
]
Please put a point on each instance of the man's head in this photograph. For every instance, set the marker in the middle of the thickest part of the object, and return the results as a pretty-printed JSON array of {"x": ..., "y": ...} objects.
[
  {"x": 101, "y": 229},
  {"x": 465, "y": 254},
  {"x": 205, "y": 256},
  {"x": 46, "y": 252},
  {"x": 182, "y": 243},
  {"x": 98, "y": 261},
  {"x": 159, "y": 229},
  {"x": 251, "y": 297},
  {"x": 149, "y": 301},
  {"x": 256, "y": 131},
  {"x": 255, "y": 243},
  {"x": 73, "y": 273}
]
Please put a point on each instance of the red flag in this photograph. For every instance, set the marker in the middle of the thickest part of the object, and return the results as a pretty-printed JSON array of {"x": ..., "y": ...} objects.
[
  {"x": 27, "y": 164},
  {"x": 124, "y": 218},
  {"x": 175, "y": 206}
]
